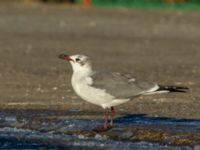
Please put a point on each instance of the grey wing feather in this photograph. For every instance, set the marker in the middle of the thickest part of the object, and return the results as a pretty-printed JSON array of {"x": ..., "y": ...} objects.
[{"x": 120, "y": 86}]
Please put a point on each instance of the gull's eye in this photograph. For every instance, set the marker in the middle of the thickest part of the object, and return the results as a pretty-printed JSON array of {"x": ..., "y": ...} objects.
[{"x": 77, "y": 59}]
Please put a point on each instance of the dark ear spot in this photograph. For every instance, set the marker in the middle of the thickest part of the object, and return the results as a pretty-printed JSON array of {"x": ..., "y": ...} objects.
[{"x": 77, "y": 59}]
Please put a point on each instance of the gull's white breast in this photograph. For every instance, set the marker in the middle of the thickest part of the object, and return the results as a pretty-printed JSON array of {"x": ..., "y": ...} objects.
[{"x": 89, "y": 93}]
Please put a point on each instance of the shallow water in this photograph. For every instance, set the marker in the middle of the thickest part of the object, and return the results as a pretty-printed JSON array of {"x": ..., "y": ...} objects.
[{"x": 51, "y": 130}]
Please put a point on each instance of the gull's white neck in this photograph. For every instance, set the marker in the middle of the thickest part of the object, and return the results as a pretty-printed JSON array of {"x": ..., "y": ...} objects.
[
  {"x": 80, "y": 78},
  {"x": 82, "y": 71}
]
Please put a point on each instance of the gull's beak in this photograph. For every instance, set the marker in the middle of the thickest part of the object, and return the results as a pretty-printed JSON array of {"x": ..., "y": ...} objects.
[{"x": 65, "y": 57}]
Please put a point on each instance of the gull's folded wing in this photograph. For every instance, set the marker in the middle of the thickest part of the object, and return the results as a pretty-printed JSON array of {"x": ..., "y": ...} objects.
[{"x": 121, "y": 86}]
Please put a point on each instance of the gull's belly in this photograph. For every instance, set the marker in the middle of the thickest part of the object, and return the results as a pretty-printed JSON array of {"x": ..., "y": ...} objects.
[{"x": 93, "y": 95}]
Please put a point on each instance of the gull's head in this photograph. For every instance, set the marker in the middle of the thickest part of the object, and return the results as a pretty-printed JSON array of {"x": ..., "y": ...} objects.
[{"x": 78, "y": 62}]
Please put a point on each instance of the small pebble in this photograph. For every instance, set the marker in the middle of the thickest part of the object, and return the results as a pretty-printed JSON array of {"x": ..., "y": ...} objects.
[
  {"x": 81, "y": 136},
  {"x": 55, "y": 88},
  {"x": 98, "y": 137}
]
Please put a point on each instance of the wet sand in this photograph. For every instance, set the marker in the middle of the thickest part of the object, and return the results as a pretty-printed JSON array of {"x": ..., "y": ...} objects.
[{"x": 56, "y": 129}]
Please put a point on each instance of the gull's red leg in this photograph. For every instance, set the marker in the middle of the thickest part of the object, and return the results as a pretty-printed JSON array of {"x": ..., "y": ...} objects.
[
  {"x": 106, "y": 126},
  {"x": 106, "y": 118},
  {"x": 112, "y": 115}
]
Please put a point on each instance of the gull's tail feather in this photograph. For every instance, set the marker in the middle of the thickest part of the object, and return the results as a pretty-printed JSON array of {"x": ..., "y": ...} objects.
[{"x": 172, "y": 88}]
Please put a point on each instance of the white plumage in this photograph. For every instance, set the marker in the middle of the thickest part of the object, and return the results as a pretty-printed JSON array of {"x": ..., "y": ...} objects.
[{"x": 109, "y": 89}]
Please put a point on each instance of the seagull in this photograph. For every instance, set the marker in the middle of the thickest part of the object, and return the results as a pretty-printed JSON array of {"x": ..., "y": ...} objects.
[{"x": 109, "y": 89}]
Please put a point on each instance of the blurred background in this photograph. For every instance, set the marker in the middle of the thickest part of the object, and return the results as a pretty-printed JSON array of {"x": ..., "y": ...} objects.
[
  {"x": 156, "y": 40},
  {"x": 183, "y": 4}
]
